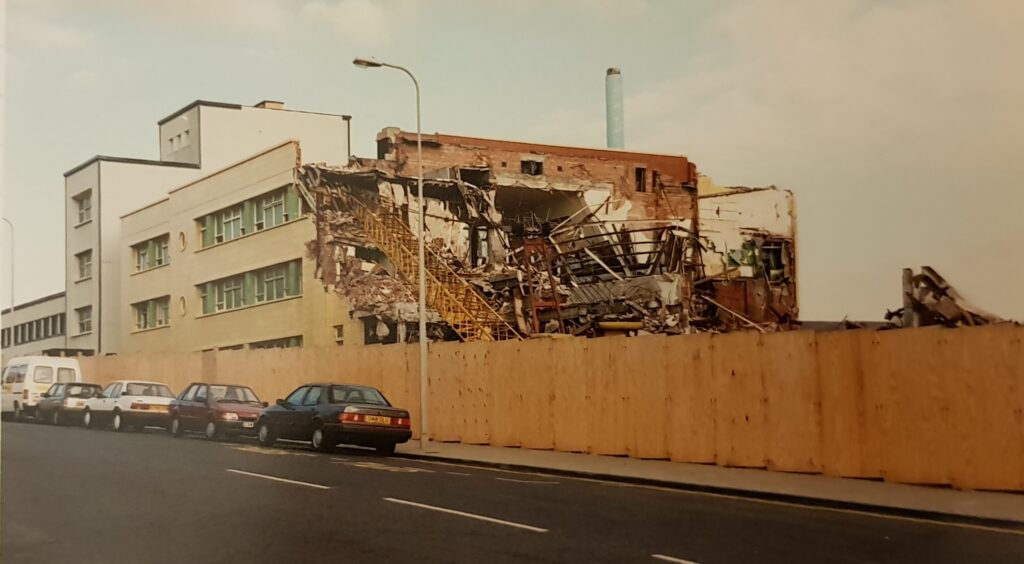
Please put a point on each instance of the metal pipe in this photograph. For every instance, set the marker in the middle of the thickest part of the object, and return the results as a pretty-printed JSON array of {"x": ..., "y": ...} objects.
[{"x": 614, "y": 128}]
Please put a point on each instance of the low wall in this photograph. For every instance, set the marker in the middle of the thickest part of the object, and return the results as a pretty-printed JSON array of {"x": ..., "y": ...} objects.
[{"x": 925, "y": 406}]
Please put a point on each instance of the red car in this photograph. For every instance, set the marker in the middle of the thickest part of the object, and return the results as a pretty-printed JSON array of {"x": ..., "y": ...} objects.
[{"x": 218, "y": 410}]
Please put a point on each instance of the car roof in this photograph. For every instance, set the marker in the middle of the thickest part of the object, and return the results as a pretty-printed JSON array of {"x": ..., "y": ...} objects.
[
  {"x": 138, "y": 382},
  {"x": 363, "y": 386},
  {"x": 218, "y": 384}
]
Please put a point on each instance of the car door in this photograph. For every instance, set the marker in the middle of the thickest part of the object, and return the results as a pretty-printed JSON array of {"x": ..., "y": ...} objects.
[
  {"x": 287, "y": 417},
  {"x": 109, "y": 401},
  {"x": 307, "y": 412},
  {"x": 54, "y": 395},
  {"x": 186, "y": 406},
  {"x": 198, "y": 407}
]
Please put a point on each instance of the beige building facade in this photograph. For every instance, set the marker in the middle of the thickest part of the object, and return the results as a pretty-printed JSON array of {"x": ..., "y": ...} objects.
[{"x": 222, "y": 263}]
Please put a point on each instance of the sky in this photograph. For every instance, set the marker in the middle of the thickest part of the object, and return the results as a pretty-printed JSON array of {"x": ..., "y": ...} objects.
[{"x": 898, "y": 125}]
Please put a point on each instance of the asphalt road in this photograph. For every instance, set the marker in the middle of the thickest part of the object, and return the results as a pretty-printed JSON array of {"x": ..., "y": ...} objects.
[{"x": 74, "y": 495}]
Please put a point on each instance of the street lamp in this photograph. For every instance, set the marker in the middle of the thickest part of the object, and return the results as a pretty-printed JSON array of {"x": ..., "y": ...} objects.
[
  {"x": 11, "y": 225},
  {"x": 369, "y": 63}
]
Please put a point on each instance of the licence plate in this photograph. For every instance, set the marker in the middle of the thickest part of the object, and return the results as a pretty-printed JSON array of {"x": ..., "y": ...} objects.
[
  {"x": 248, "y": 424},
  {"x": 160, "y": 408},
  {"x": 378, "y": 419}
]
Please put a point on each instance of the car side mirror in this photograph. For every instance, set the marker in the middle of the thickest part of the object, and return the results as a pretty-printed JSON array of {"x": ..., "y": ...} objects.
[
  {"x": 264, "y": 404},
  {"x": 44, "y": 395},
  {"x": 280, "y": 402}
]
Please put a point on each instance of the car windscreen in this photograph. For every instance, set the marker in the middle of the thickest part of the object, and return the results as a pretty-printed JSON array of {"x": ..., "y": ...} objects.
[
  {"x": 233, "y": 394},
  {"x": 139, "y": 389},
  {"x": 78, "y": 390},
  {"x": 353, "y": 394}
]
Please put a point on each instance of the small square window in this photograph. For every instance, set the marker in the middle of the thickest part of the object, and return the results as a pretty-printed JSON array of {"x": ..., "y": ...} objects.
[{"x": 533, "y": 168}]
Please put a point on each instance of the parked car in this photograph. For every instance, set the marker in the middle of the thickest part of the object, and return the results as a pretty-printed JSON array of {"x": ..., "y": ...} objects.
[
  {"x": 331, "y": 414},
  {"x": 129, "y": 403},
  {"x": 219, "y": 410},
  {"x": 26, "y": 378},
  {"x": 64, "y": 402}
]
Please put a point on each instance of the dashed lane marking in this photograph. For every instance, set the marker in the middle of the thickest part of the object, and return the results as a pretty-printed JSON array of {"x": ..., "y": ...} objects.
[
  {"x": 530, "y": 528},
  {"x": 525, "y": 481},
  {"x": 388, "y": 468},
  {"x": 458, "y": 473},
  {"x": 664, "y": 558},
  {"x": 276, "y": 479}
]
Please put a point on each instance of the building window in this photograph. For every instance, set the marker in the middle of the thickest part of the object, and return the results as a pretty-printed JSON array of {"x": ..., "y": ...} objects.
[
  {"x": 258, "y": 286},
  {"x": 250, "y": 216},
  {"x": 84, "y": 319},
  {"x": 84, "y": 264},
  {"x": 152, "y": 253},
  {"x": 533, "y": 168},
  {"x": 83, "y": 202},
  {"x": 152, "y": 313},
  {"x": 339, "y": 334},
  {"x": 284, "y": 343},
  {"x": 640, "y": 178}
]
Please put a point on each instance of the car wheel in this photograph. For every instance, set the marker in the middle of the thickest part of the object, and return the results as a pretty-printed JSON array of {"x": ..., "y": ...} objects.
[
  {"x": 55, "y": 417},
  {"x": 87, "y": 419},
  {"x": 175, "y": 427},
  {"x": 212, "y": 432},
  {"x": 265, "y": 434},
  {"x": 386, "y": 449},
  {"x": 119, "y": 424},
  {"x": 319, "y": 440}
]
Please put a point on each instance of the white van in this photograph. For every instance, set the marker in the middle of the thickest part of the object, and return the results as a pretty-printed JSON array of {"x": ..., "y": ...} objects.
[{"x": 27, "y": 377}]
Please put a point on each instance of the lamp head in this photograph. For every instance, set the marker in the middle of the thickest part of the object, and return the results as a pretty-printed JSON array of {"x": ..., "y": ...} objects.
[{"x": 367, "y": 63}]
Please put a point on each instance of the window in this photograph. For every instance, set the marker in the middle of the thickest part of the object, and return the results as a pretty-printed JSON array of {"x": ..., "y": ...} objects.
[
  {"x": 313, "y": 397},
  {"x": 53, "y": 390},
  {"x": 152, "y": 313},
  {"x": 109, "y": 391},
  {"x": 151, "y": 253},
  {"x": 42, "y": 375},
  {"x": 5, "y": 337},
  {"x": 147, "y": 389},
  {"x": 353, "y": 394},
  {"x": 284, "y": 343},
  {"x": 296, "y": 397},
  {"x": 202, "y": 394},
  {"x": 84, "y": 264},
  {"x": 249, "y": 216},
  {"x": 640, "y": 179},
  {"x": 83, "y": 202},
  {"x": 65, "y": 374},
  {"x": 533, "y": 168},
  {"x": 84, "y": 319},
  {"x": 339, "y": 334},
  {"x": 258, "y": 286}
]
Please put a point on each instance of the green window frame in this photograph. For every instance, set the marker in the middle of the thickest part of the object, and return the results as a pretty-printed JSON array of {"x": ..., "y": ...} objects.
[
  {"x": 151, "y": 314},
  {"x": 264, "y": 285},
  {"x": 267, "y": 210},
  {"x": 152, "y": 253}
]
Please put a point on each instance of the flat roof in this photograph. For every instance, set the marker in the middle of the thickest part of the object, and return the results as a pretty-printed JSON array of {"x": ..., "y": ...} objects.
[
  {"x": 36, "y": 301},
  {"x": 230, "y": 106},
  {"x": 128, "y": 160}
]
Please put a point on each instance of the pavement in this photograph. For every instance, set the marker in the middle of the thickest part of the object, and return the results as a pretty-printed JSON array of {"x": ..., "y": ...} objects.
[
  {"x": 89, "y": 496},
  {"x": 935, "y": 503}
]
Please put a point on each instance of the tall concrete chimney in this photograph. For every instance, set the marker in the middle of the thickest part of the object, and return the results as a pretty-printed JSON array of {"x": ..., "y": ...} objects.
[{"x": 615, "y": 128}]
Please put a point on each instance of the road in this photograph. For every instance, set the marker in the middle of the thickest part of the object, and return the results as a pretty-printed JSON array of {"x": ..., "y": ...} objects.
[{"x": 75, "y": 495}]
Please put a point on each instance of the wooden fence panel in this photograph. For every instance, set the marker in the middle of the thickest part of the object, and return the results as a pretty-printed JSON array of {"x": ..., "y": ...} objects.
[
  {"x": 475, "y": 402},
  {"x": 644, "y": 376},
  {"x": 987, "y": 431},
  {"x": 447, "y": 363},
  {"x": 793, "y": 408},
  {"x": 535, "y": 360},
  {"x": 847, "y": 447},
  {"x": 690, "y": 399},
  {"x": 570, "y": 405},
  {"x": 740, "y": 400},
  {"x": 608, "y": 419},
  {"x": 506, "y": 381}
]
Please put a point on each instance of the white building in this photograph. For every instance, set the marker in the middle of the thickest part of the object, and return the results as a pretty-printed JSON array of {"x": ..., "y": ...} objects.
[
  {"x": 34, "y": 327},
  {"x": 194, "y": 141}
]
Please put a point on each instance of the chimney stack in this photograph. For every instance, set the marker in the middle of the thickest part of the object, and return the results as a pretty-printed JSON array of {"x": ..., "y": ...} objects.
[{"x": 615, "y": 128}]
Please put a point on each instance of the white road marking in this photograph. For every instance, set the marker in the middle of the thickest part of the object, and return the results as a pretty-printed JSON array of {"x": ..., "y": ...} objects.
[
  {"x": 524, "y": 481},
  {"x": 337, "y": 459},
  {"x": 671, "y": 559},
  {"x": 388, "y": 468},
  {"x": 470, "y": 515},
  {"x": 276, "y": 479},
  {"x": 458, "y": 473}
]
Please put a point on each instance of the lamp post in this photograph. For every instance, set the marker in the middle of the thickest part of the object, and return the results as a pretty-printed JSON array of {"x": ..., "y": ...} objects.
[
  {"x": 11, "y": 225},
  {"x": 368, "y": 63}
]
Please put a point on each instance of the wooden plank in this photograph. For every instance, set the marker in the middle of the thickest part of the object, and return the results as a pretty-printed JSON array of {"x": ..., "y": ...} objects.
[
  {"x": 607, "y": 410},
  {"x": 569, "y": 401},
  {"x": 793, "y": 408},
  {"x": 846, "y": 443},
  {"x": 739, "y": 400},
  {"x": 446, "y": 364},
  {"x": 505, "y": 383},
  {"x": 535, "y": 391},
  {"x": 690, "y": 399},
  {"x": 475, "y": 388}
]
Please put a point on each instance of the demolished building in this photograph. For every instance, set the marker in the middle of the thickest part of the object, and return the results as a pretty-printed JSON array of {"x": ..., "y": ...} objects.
[{"x": 525, "y": 239}]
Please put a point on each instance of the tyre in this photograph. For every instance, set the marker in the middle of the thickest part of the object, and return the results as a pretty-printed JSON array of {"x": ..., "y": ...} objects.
[
  {"x": 119, "y": 423},
  {"x": 175, "y": 427},
  {"x": 265, "y": 434},
  {"x": 212, "y": 432},
  {"x": 55, "y": 418},
  {"x": 386, "y": 449},
  {"x": 319, "y": 439},
  {"x": 87, "y": 420}
]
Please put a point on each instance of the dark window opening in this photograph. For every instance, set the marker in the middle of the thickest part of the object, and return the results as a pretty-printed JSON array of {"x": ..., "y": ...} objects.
[
  {"x": 476, "y": 176},
  {"x": 533, "y": 168},
  {"x": 378, "y": 331},
  {"x": 504, "y": 164},
  {"x": 641, "y": 179},
  {"x": 479, "y": 246},
  {"x": 384, "y": 147},
  {"x": 559, "y": 168}
]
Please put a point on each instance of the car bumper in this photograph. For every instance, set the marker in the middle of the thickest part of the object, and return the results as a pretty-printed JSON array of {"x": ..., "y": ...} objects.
[
  {"x": 147, "y": 418},
  {"x": 367, "y": 435},
  {"x": 237, "y": 427}
]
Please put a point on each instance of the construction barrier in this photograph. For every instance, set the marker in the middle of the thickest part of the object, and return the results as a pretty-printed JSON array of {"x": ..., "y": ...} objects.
[{"x": 922, "y": 406}]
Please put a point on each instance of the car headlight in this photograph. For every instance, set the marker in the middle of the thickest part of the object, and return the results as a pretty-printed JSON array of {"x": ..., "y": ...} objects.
[{"x": 229, "y": 416}]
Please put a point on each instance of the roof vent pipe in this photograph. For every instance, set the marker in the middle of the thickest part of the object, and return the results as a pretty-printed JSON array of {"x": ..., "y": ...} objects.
[{"x": 615, "y": 127}]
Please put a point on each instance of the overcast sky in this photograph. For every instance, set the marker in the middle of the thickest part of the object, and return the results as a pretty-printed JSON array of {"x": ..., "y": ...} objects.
[{"x": 898, "y": 125}]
